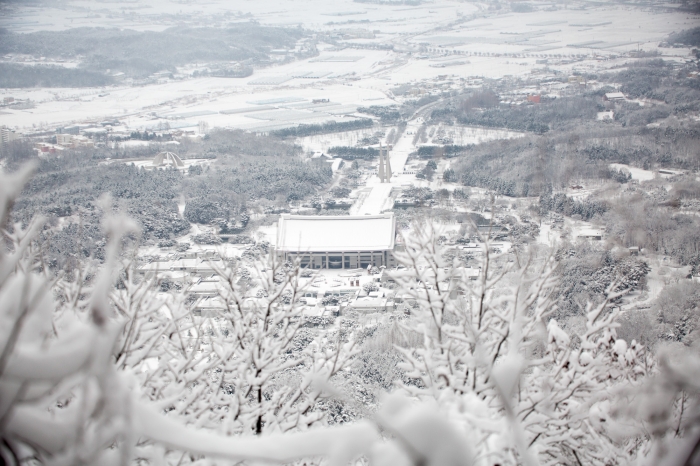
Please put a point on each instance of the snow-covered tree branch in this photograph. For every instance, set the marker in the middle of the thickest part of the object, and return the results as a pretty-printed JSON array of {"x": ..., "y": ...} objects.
[
  {"x": 497, "y": 364},
  {"x": 97, "y": 367}
]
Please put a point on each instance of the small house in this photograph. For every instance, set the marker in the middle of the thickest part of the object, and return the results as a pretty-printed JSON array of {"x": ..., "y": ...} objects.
[
  {"x": 614, "y": 97},
  {"x": 369, "y": 305}
]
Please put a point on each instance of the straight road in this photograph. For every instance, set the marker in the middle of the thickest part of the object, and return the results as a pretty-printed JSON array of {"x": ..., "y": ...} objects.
[{"x": 379, "y": 197}]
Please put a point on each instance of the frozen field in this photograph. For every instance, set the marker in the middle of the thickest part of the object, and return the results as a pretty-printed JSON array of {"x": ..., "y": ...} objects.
[
  {"x": 471, "y": 40},
  {"x": 637, "y": 173},
  {"x": 605, "y": 29},
  {"x": 221, "y": 102},
  {"x": 160, "y": 14}
]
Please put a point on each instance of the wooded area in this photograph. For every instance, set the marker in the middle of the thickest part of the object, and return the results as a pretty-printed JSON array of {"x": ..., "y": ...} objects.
[{"x": 138, "y": 54}]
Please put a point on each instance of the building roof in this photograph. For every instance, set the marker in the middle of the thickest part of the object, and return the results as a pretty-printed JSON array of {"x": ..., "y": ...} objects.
[
  {"x": 367, "y": 303},
  {"x": 301, "y": 233},
  {"x": 615, "y": 96}
]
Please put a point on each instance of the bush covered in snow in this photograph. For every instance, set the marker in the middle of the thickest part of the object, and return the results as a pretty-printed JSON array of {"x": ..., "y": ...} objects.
[{"x": 93, "y": 373}]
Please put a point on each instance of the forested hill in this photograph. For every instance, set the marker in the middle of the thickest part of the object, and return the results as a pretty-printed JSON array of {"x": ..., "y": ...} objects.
[
  {"x": 66, "y": 192},
  {"x": 141, "y": 53},
  {"x": 229, "y": 192},
  {"x": 17, "y": 76},
  {"x": 567, "y": 142},
  {"x": 248, "y": 174},
  {"x": 687, "y": 37},
  {"x": 653, "y": 129}
]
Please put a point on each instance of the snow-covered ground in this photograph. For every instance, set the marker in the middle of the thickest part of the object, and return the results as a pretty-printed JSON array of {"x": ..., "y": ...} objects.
[
  {"x": 484, "y": 44},
  {"x": 376, "y": 201},
  {"x": 148, "y": 163},
  {"x": 548, "y": 236},
  {"x": 637, "y": 173},
  {"x": 160, "y": 14},
  {"x": 323, "y": 142},
  {"x": 605, "y": 30},
  {"x": 378, "y": 198},
  {"x": 221, "y": 102}
]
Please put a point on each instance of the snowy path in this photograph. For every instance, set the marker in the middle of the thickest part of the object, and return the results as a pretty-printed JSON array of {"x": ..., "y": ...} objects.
[
  {"x": 402, "y": 148},
  {"x": 378, "y": 198},
  {"x": 548, "y": 236},
  {"x": 376, "y": 201}
]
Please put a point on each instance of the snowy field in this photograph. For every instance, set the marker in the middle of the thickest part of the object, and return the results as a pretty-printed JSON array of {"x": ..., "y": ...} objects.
[
  {"x": 221, "y": 102},
  {"x": 603, "y": 30},
  {"x": 484, "y": 45},
  {"x": 638, "y": 174},
  {"x": 322, "y": 142},
  {"x": 160, "y": 14},
  {"x": 446, "y": 24}
]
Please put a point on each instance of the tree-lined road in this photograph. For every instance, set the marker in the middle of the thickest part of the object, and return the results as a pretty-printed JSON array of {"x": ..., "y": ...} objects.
[{"x": 379, "y": 198}]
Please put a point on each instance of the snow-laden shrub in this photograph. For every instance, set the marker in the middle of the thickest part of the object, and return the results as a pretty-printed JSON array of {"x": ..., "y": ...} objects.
[
  {"x": 118, "y": 375},
  {"x": 89, "y": 378},
  {"x": 330, "y": 300},
  {"x": 206, "y": 238},
  {"x": 370, "y": 287},
  {"x": 241, "y": 239},
  {"x": 495, "y": 361}
]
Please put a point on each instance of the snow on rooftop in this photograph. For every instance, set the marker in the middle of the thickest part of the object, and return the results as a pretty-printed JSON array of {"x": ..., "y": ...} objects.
[
  {"x": 336, "y": 233},
  {"x": 615, "y": 96}
]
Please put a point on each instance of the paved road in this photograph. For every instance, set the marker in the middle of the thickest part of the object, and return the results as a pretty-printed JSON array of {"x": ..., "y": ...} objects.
[{"x": 375, "y": 198}]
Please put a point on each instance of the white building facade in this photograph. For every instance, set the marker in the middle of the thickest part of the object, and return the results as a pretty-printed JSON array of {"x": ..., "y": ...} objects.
[{"x": 337, "y": 242}]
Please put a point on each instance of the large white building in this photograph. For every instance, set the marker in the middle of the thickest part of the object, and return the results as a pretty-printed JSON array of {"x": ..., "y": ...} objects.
[{"x": 337, "y": 242}]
